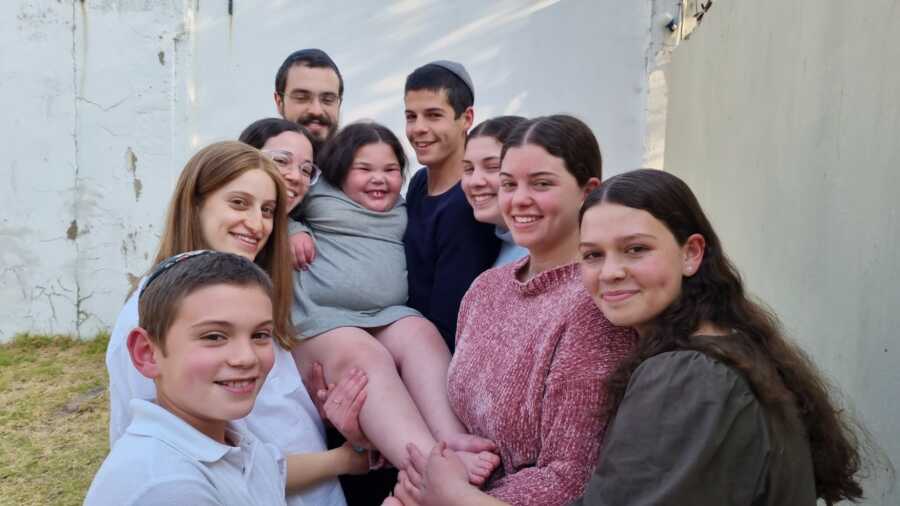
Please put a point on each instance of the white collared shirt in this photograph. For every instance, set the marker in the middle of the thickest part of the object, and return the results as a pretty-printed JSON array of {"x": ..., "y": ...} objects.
[
  {"x": 161, "y": 459},
  {"x": 283, "y": 415}
]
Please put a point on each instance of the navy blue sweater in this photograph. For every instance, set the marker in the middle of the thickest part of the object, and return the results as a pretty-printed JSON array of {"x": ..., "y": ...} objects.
[{"x": 446, "y": 249}]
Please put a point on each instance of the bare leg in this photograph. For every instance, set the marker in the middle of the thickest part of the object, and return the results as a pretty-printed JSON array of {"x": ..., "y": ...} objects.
[
  {"x": 389, "y": 417},
  {"x": 423, "y": 358}
]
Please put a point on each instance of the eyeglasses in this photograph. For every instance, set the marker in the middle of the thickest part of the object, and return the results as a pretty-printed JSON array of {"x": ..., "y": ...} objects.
[
  {"x": 327, "y": 99},
  {"x": 286, "y": 164}
]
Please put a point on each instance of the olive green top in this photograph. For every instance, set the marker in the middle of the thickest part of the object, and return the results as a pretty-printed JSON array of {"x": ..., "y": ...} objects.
[{"x": 690, "y": 431}]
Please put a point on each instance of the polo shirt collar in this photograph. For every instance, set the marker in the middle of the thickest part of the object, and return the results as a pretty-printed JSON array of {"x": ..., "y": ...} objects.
[{"x": 151, "y": 420}]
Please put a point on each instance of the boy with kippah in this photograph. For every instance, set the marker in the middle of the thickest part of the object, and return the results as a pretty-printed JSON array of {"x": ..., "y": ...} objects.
[
  {"x": 446, "y": 249},
  {"x": 205, "y": 339}
]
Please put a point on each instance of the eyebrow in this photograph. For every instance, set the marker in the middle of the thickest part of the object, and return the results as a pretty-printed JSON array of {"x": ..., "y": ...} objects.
[
  {"x": 213, "y": 323},
  {"x": 536, "y": 174},
  {"x": 228, "y": 324},
  {"x": 631, "y": 237}
]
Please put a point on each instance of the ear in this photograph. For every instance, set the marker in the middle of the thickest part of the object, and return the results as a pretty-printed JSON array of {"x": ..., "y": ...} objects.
[
  {"x": 468, "y": 117},
  {"x": 693, "y": 251},
  {"x": 278, "y": 102},
  {"x": 591, "y": 185},
  {"x": 144, "y": 354}
]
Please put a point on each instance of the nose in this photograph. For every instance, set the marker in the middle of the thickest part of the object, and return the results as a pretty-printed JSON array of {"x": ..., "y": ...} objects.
[
  {"x": 254, "y": 219},
  {"x": 242, "y": 353},
  {"x": 315, "y": 106},
  {"x": 477, "y": 179},
  {"x": 418, "y": 126},
  {"x": 521, "y": 196},
  {"x": 292, "y": 174},
  {"x": 612, "y": 269},
  {"x": 378, "y": 177}
]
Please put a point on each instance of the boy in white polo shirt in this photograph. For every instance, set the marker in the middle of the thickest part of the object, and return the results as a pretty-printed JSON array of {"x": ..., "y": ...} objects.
[{"x": 205, "y": 338}]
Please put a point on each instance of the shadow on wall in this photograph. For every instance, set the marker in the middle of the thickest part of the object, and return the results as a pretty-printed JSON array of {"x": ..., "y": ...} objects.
[{"x": 375, "y": 50}]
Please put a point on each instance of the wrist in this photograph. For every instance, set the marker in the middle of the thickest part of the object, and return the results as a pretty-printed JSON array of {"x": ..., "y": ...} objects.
[{"x": 345, "y": 457}]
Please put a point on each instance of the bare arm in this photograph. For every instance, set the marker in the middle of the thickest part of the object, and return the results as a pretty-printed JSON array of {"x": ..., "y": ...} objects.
[{"x": 307, "y": 469}]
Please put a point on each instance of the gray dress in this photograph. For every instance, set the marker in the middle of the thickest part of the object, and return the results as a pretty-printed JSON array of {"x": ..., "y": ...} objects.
[
  {"x": 690, "y": 432},
  {"x": 358, "y": 278}
]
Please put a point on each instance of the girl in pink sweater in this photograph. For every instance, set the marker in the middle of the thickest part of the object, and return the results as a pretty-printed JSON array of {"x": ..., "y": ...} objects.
[{"x": 532, "y": 350}]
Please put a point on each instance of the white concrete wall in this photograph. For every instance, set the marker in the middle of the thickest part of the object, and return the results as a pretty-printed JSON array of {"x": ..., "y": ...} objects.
[
  {"x": 106, "y": 99},
  {"x": 784, "y": 118}
]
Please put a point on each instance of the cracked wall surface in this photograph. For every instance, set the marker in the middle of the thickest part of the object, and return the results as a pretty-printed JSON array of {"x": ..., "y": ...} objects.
[
  {"x": 783, "y": 117},
  {"x": 107, "y": 99},
  {"x": 88, "y": 140}
]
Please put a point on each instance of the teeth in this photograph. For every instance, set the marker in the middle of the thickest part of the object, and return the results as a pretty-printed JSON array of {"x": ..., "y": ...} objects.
[
  {"x": 524, "y": 219},
  {"x": 482, "y": 198},
  {"x": 291, "y": 194},
  {"x": 237, "y": 383},
  {"x": 249, "y": 239}
]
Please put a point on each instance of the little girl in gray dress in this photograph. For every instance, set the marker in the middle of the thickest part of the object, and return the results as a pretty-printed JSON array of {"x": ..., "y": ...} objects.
[{"x": 349, "y": 304}]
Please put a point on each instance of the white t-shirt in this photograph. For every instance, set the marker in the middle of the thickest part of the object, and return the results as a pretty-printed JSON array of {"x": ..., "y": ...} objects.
[
  {"x": 283, "y": 415},
  {"x": 161, "y": 459}
]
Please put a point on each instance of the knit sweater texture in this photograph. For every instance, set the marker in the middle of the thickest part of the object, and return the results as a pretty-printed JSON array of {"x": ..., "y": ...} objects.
[{"x": 529, "y": 373}]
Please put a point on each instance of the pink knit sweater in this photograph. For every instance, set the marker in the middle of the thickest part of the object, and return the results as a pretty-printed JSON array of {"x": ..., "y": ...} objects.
[{"x": 528, "y": 373}]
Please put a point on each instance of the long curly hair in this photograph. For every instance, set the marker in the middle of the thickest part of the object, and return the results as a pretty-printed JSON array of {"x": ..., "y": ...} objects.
[{"x": 783, "y": 378}]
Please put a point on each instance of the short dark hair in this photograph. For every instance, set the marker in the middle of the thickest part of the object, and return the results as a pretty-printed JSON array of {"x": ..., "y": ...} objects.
[
  {"x": 435, "y": 78},
  {"x": 338, "y": 153},
  {"x": 165, "y": 290},
  {"x": 564, "y": 137},
  {"x": 498, "y": 128},
  {"x": 260, "y": 131},
  {"x": 313, "y": 58}
]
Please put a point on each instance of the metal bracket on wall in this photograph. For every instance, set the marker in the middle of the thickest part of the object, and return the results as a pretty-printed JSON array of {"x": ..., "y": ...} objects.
[{"x": 690, "y": 15}]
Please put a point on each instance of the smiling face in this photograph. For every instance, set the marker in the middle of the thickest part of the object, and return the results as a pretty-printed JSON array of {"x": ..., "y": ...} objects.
[
  {"x": 433, "y": 130},
  {"x": 312, "y": 99},
  {"x": 218, "y": 352},
  {"x": 374, "y": 178},
  {"x": 291, "y": 167},
  {"x": 539, "y": 200},
  {"x": 631, "y": 263},
  {"x": 237, "y": 218},
  {"x": 481, "y": 178}
]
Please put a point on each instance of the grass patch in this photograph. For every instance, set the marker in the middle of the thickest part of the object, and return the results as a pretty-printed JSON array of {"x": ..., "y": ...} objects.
[{"x": 54, "y": 421}]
